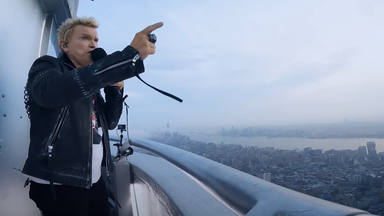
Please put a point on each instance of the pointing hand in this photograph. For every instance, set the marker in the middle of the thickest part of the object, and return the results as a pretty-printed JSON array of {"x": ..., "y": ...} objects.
[{"x": 141, "y": 41}]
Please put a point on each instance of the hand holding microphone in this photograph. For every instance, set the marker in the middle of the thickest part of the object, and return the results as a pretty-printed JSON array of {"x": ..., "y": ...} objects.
[{"x": 144, "y": 41}]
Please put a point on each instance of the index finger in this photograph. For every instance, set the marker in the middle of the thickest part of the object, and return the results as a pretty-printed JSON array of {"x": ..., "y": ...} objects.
[{"x": 152, "y": 28}]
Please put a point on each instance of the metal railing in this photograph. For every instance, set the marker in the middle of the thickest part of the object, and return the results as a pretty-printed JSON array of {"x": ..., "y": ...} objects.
[{"x": 244, "y": 193}]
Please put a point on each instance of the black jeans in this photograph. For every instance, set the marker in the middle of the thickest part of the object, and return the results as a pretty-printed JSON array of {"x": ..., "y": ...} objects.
[{"x": 70, "y": 201}]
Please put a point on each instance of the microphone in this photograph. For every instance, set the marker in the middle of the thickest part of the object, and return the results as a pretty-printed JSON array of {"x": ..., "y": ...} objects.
[{"x": 98, "y": 53}]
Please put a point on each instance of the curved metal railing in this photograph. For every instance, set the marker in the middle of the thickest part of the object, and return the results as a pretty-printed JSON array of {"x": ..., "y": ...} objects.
[{"x": 244, "y": 193}]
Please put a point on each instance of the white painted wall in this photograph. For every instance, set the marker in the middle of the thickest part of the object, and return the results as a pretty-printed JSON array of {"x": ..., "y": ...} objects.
[{"x": 21, "y": 23}]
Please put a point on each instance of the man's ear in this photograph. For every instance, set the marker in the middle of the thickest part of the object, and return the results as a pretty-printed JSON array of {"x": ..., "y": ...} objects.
[{"x": 63, "y": 45}]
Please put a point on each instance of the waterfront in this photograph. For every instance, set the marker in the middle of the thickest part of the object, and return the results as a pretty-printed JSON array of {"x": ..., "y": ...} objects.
[{"x": 288, "y": 143}]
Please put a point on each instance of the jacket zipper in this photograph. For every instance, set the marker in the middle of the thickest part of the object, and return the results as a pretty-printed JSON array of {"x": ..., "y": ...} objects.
[
  {"x": 105, "y": 132},
  {"x": 56, "y": 130},
  {"x": 89, "y": 162},
  {"x": 134, "y": 59},
  {"x": 106, "y": 153}
]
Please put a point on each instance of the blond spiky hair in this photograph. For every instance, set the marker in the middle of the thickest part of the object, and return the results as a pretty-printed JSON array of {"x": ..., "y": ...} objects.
[{"x": 65, "y": 30}]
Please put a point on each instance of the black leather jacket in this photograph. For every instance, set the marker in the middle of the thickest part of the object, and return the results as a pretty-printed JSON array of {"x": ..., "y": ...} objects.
[{"x": 54, "y": 83}]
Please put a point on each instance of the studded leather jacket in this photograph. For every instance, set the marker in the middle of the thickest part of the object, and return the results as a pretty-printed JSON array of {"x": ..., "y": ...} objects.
[{"x": 54, "y": 83}]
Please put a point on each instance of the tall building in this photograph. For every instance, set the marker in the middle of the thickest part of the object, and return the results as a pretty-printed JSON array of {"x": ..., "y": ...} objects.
[
  {"x": 357, "y": 179},
  {"x": 371, "y": 148},
  {"x": 362, "y": 153},
  {"x": 362, "y": 150},
  {"x": 267, "y": 176}
]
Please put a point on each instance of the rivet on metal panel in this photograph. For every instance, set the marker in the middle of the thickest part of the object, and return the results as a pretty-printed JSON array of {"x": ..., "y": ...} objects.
[
  {"x": 3, "y": 95},
  {"x": 21, "y": 117},
  {"x": 4, "y": 115}
]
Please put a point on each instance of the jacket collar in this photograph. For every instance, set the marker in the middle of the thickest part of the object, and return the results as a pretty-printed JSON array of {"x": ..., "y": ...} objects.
[{"x": 65, "y": 59}]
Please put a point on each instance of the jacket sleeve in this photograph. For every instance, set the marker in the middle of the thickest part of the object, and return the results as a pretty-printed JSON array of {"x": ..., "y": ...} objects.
[
  {"x": 50, "y": 86},
  {"x": 113, "y": 105}
]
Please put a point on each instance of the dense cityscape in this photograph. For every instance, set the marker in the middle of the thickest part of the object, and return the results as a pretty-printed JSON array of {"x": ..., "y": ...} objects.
[{"x": 350, "y": 177}]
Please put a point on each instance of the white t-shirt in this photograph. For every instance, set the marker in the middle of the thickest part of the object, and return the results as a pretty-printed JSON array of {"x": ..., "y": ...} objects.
[{"x": 97, "y": 158}]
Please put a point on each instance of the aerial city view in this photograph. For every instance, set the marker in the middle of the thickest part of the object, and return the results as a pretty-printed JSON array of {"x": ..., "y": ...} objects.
[{"x": 352, "y": 177}]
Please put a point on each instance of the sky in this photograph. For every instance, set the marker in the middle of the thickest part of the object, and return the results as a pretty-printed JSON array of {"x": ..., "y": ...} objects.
[{"x": 251, "y": 62}]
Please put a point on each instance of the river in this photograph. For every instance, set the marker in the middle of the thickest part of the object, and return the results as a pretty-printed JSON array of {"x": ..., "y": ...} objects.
[{"x": 288, "y": 142}]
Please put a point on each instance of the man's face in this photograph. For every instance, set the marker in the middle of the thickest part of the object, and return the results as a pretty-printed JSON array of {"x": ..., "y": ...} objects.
[{"x": 82, "y": 41}]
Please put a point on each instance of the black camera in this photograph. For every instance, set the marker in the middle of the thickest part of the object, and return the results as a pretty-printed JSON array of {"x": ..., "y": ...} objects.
[{"x": 121, "y": 127}]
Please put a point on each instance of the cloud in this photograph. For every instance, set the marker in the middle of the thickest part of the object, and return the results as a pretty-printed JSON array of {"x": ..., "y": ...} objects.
[{"x": 255, "y": 61}]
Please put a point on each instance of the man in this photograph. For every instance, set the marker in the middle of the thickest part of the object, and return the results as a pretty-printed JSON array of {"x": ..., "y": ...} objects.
[{"x": 72, "y": 174}]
